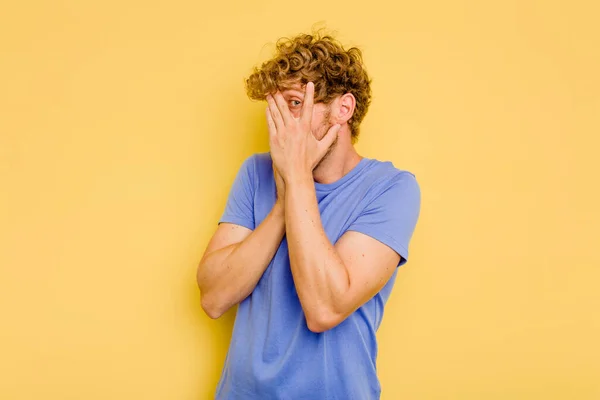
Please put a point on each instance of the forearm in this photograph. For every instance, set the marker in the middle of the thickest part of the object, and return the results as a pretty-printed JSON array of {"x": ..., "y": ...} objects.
[
  {"x": 320, "y": 276},
  {"x": 228, "y": 275}
]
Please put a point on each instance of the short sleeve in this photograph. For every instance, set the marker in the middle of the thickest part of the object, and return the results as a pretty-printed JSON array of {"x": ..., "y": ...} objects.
[
  {"x": 391, "y": 217},
  {"x": 239, "y": 209}
]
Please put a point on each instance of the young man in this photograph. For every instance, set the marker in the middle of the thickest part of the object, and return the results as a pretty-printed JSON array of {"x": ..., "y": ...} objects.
[{"x": 311, "y": 236}]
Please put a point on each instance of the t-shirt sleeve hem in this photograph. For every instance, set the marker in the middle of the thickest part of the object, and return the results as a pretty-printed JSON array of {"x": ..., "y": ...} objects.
[
  {"x": 237, "y": 221},
  {"x": 385, "y": 239}
]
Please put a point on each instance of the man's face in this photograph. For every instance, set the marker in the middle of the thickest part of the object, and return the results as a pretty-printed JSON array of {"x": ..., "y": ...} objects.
[{"x": 321, "y": 118}]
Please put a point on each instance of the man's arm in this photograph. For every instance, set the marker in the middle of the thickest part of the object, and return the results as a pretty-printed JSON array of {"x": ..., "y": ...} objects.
[
  {"x": 235, "y": 259},
  {"x": 331, "y": 281}
]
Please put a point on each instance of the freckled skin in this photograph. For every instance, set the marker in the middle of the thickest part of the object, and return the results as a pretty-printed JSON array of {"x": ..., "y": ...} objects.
[{"x": 330, "y": 279}]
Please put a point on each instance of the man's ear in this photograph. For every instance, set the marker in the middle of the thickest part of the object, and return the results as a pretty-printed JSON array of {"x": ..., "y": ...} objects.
[{"x": 346, "y": 106}]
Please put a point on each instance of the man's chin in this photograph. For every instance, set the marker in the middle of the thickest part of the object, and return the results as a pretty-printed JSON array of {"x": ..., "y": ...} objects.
[{"x": 328, "y": 153}]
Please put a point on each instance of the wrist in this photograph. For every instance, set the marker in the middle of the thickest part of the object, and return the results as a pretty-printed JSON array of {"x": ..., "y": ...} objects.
[
  {"x": 299, "y": 178},
  {"x": 278, "y": 209}
]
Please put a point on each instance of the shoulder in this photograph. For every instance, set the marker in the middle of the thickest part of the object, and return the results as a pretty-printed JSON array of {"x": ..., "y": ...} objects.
[
  {"x": 257, "y": 163},
  {"x": 262, "y": 160},
  {"x": 257, "y": 172},
  {"x": 385, "y": 177},
  {"x": 263, "y": 167}
]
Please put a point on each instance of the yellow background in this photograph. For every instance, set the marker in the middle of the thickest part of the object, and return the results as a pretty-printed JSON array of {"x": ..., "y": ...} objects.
[{"x": 123, "y": 123}]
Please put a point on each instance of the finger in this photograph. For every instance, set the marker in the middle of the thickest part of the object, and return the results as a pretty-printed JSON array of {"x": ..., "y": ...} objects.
[
  {"x": 271, "y": 126},
  {"x": 327, "y": 141},
  {"x": 283, "y": 108},
  {"x": 308, "y": 103},
  {"x": 275, "y": 114}
]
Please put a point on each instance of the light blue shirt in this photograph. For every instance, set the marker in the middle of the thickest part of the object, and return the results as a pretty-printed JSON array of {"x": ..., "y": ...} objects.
[{"x": 273, "y": 354}]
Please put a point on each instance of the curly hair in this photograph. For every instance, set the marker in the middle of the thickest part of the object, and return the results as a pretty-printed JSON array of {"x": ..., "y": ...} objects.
[{"x": 319, "y": 59}]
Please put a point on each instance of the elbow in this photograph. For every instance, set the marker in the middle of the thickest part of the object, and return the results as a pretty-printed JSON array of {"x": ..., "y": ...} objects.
[
  {"x": 209, "y": 304},
  {"x": 212, "y": 308},
  {"x": 322, "y": 321}
]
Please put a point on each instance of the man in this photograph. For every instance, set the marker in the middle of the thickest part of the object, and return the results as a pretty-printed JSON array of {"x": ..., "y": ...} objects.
[{"x": 311, "y": 237}]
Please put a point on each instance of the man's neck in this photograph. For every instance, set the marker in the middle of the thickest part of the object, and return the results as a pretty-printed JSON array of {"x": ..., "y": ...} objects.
[{"x": 341, "y": 160}]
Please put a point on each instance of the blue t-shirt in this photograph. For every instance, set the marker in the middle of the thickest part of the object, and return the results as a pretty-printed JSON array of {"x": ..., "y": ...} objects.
[{"x": 273, "y": 354}]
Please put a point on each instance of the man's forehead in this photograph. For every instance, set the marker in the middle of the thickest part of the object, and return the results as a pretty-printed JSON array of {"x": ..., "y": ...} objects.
[{"x": 293, "y": 88}]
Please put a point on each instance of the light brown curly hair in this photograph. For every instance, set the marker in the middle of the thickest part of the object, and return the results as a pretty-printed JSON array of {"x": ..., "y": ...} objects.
[{"x": 317, "y": 58}]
